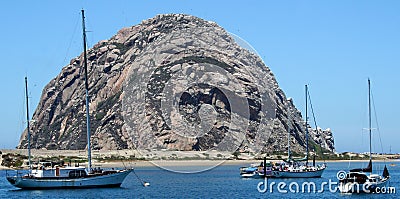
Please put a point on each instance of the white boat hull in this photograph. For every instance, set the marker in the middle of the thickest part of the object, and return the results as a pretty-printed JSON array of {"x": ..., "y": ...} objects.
[
  {"x": 255, "y": 175},
  {"x": 110, "y": 180},
  {"x": 303, "y": 174},
  {"x": 368, "y": 187},
  {"x": 249, "y": 175}
]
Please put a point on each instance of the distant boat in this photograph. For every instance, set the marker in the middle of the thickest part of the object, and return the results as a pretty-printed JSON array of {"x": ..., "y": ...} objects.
[
  {"x": 70, "y": 176},
  {"x": 290, "y": 168},
  {"x": 264, "y": 169},
  {"x": 363, "y": 180}
]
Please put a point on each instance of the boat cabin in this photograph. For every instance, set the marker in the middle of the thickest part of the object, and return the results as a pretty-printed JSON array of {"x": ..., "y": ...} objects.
[{"x": 71, "y": 172}]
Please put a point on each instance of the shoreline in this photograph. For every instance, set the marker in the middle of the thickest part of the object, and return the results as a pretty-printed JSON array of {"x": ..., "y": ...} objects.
[
  {"x": 104, "y": 158},
  {"x": 189, "y": 163}
]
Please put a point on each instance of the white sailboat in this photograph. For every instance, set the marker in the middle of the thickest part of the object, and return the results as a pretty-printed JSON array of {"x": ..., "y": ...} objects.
[
  {"x": 363, "y": 180},
  {"x": 292, "y": 168},
  {"x": 69, "y": 177}
]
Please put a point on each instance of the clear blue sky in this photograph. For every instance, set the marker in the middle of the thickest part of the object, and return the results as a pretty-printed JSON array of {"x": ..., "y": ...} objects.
[{"x": 333, "y": 46}]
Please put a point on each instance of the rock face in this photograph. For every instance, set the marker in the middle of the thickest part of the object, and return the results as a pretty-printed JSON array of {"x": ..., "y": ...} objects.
[{"x": 173, "y": 82}]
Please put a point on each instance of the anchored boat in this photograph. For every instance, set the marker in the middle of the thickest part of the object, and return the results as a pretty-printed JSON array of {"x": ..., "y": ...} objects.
[
  {"x": 70, "y": 176},
  {"x": 264, "y": 169},
  {"x": 289, "y": 168},
  {"x": 362, "y": 179},
  {"x": 292, "y": 168}
]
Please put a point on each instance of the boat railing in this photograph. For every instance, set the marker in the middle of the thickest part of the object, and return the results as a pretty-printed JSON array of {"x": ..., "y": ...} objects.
[{"x": 17, "y": 173}]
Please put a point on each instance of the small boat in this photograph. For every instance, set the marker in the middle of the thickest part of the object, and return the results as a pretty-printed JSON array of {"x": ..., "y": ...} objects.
[
  {"x": 362, "y": 179},
  {"x": 257, "y": 170},
  {"x": 70, "y": 176}
]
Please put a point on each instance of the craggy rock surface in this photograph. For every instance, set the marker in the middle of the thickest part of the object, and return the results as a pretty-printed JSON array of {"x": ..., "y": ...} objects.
[{"x": 174, "y": 82}]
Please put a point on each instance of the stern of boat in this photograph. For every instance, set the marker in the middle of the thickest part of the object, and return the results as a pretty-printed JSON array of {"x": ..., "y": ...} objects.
[{"x": 12, "y": 180}]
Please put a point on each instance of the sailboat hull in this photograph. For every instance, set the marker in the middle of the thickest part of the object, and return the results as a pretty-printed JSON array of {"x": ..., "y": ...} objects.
[
  {"x": 361, "y": 188},
  {"x": 110, "y": 180},
  {"x": 303, "y": 174}
]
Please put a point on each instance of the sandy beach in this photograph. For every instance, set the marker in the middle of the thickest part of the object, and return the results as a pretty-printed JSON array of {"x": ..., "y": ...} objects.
[
  {"x": 153, "y": 158},
  {"x": 166, "y": 159}
]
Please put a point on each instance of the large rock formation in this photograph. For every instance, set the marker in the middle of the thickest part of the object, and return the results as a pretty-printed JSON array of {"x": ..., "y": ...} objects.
[{"x": 172, "y": 82}]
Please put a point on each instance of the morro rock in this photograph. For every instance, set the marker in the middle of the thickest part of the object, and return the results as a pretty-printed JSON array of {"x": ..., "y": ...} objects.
[{"x": 174, "y": 82}]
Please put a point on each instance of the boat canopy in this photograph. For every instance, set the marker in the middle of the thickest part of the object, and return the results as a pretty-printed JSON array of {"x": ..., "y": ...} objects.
[
  {"x": 295, "y": 160},
  {"x": 367, "y": 169}
]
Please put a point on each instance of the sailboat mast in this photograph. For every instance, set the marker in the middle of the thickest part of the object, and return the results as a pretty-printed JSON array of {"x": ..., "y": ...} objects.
[
  {"x": 369, "y": 120},
  {"x": 27, "y": 123},
  {"x": 87, "y": 93},
  {"x": 306, "y": 123},
  {"x": 288, "y": 139}
]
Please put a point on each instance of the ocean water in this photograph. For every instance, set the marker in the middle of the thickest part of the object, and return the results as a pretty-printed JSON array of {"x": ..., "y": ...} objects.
[{"x": 221, "y": 182}]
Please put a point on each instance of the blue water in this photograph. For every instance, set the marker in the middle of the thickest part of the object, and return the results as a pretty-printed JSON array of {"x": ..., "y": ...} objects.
[{"x": 221, "y": 182}]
